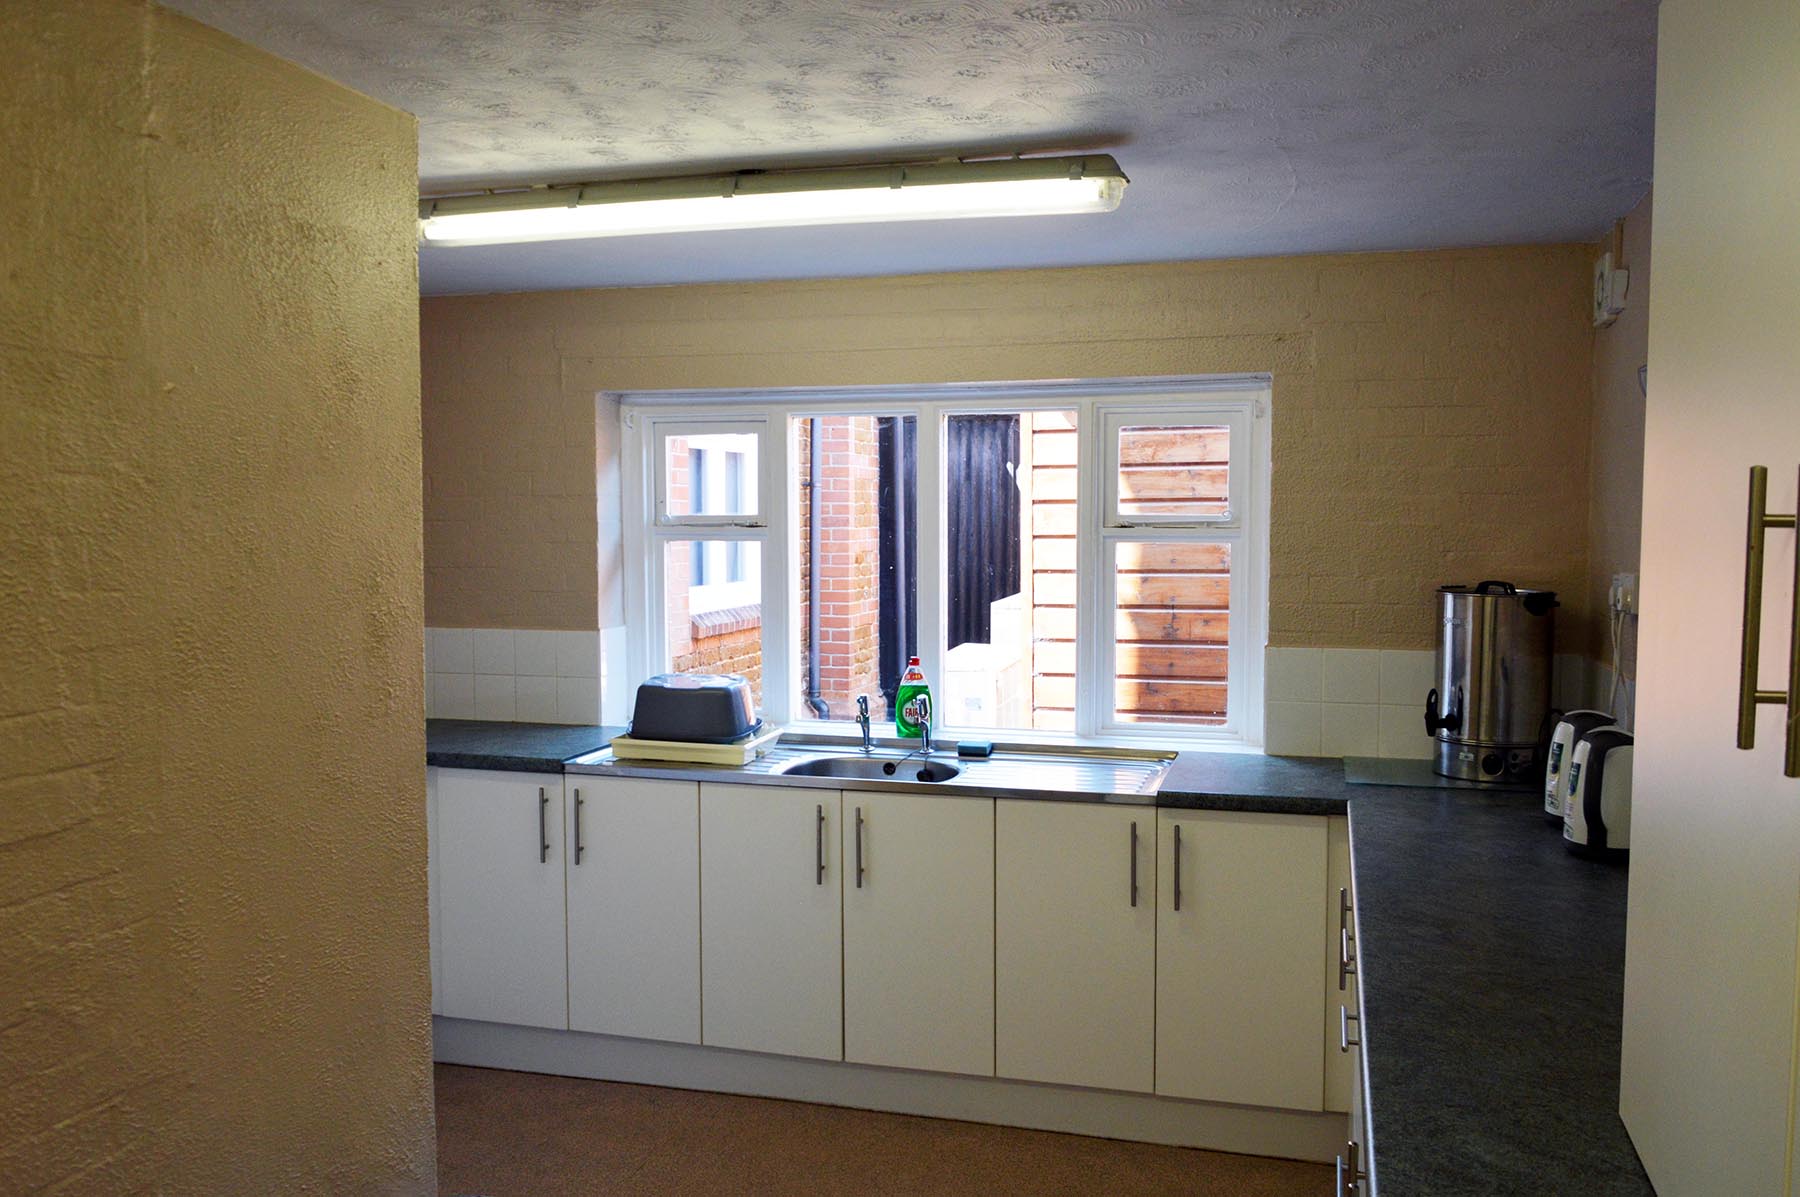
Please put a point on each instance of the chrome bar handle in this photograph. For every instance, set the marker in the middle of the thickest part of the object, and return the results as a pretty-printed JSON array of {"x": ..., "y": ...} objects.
[
  {"x": 1791, "y": 752},
  {"x": 579, "y": 848},
  {"x": 1177, "y": 866},
  {"x": 543, "y": 826},
  {"x": 1344, "y": 911},
  {"x": 1134, "y": 863},
  {"x": 859, "y": 864},
  {"x": 1345, "y": 1018},
  {"x": 1349, "y": 1172},
  {"x": 1346, "y": 963},
  {"x": 1749, "y": 697},
  {"x": 819, "y": 846}
]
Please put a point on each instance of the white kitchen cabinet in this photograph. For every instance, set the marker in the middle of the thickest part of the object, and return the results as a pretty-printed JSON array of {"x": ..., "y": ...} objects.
[
  {"x": 634, "y": 907},
  {"x": 434, "y": 918},
  {"x": 771, "y": 917},
  {"x": 1340, "y": 983},
  {"x": 499, "y": 855},
  {"x": 1075, "y": 943},
  {"x": 1240, "y": 940},
  {"x": 918, "y": 883},
  {"x": 1708, "y": 1079}
]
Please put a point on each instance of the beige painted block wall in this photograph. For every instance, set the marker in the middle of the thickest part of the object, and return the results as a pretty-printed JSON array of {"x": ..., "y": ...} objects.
[
  {"x": 212, "y": 835},
  {"x": 1430, "y": 411}
]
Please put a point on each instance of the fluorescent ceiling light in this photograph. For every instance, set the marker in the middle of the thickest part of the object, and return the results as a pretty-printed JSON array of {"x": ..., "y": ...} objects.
[{"x": 776, "y": 199}]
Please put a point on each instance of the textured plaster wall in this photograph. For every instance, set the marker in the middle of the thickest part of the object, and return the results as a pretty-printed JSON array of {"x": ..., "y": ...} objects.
[
  {"x": 1616, "y": 463},
  {"x": 1431, "y": 411},
  {"x": 212, "y": 833}
]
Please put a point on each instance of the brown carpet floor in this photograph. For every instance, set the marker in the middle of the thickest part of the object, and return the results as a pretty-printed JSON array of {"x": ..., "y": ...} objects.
[{"x": 517, "y": 1134}]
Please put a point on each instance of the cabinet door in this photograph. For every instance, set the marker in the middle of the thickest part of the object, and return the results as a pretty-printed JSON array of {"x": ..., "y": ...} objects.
[
  {"x": 500, "y": 897},
  {"x": 1239, "y": 950},
  {"x": 434, "y": 915},
  {"x": 919, "y": 932},
  {"x": 1074, "y": 946},
  {"x": 634, "y": 907},
  {"x": 1340, "y": 1003},
  {"x": 771, "y": 920}
]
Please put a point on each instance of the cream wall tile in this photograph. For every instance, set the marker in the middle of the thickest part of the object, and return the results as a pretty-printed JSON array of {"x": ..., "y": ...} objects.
[
  {"x": 1291, "y": 674},
  {"x": 455, "y": 650},
  {"x": 577, "y": 700},
  {"x": 535, "y": 699},
  {"x": 1291, "y": 729},
  {"x": 1349, "y": 729},
  {"x": 1403, "y": 733},
  {"x": 1406, "y": 675},
  {"x": 431, "y": 699},
  {"x": 1351, "y": 675},
  {"x": 493, "y": 652},
  {"x": 534, "y": 654},
  {"x": 494, "y": 696},
  {"x": 578, "y": 656},
  {"x": 455, "y": 695}
]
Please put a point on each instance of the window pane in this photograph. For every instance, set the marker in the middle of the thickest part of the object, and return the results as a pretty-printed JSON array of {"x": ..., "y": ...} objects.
[
  {"x": 857, "y": 556},
  {"x": 1009, "y": 508},
  {"x": 1172, "y": 627},
  {"x": 714, "y": 620},
  {"x": 1174, "y": 472},
  {"x": 710, "y": 474}
]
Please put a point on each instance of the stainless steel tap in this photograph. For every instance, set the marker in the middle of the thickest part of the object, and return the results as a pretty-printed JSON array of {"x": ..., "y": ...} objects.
[{"x": 862, "y": 721}]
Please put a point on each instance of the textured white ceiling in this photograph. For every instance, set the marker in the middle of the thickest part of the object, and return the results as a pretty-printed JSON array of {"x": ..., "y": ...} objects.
[{"x": 1247, "y": 126}]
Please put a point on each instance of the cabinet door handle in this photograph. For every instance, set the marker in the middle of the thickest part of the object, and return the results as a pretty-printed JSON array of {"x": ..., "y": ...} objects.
[
  {"x": 1344, "y": 911},
  {"x": 1345, "y": 1018},
  {"x": 543, "y": 826},
  {"x": 819, "y": 846},
  {"x": 1350, "y": 1174},
  {"x": 859, "y": 864},
  {"x": 1346, "y": 964},
  {"x": 1177, "y": 866},
  {"x": 1134, "y": 863},
  {"x": 579, "y": 848},
  {"x": 1748, "y": 695}
]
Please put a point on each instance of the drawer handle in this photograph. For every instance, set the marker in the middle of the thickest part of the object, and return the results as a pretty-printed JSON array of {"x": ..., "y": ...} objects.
[
  {"x": 819, "y": 847},
  {"x": 1345, "y": 1018},
  {"x": 1349, "y": 1174},
  {"x": 1749, "y": 697},
  {"x": 543, "y": 826},
  {"x": 579, "y": 847},
  {"x": 1346, "y": 962},
  {"x": 1177, "y": 866},
  {"x": 859, "y": 864},
  {"x": 1134, "y": 838}
]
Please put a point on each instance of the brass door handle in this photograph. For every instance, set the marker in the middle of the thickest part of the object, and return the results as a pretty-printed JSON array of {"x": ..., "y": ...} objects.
[{"x": 1749, "y": 697}]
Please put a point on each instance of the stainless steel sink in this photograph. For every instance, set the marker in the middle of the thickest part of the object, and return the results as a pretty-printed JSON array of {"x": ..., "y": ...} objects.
[{"x": 870, "y": 768}]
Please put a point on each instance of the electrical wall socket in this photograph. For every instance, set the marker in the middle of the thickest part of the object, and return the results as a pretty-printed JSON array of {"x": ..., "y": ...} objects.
[{"x": 1622, "y": 597}]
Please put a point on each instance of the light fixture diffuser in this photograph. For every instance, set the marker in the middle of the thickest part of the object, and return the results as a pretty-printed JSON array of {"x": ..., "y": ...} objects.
[{"x": 775, "y": 199}]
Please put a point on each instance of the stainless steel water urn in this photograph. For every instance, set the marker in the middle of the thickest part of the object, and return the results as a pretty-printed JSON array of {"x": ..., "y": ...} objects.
[{"x": 1492, "y": 697}]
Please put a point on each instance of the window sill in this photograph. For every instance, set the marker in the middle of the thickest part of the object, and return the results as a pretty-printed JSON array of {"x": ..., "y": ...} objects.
[{"x": 1179, "y": 741}]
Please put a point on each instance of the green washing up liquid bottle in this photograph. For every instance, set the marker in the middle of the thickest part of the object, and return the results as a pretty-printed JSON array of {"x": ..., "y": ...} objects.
[{"x": 912, "y": 702}]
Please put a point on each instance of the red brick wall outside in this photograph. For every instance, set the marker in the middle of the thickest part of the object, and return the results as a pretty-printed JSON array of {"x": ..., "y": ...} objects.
[{"x": 848, "y": 510}]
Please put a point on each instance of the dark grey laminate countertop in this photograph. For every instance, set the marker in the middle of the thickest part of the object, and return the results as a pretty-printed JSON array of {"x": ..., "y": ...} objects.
[
  {"x": 1492, "y": 963},
  {"x": 510, "y": 747}
]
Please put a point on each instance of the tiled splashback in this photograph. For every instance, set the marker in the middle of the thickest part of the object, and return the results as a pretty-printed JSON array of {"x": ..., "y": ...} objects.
[
  {"x": 525, "y": 675},
  {"x": 1371, "y": 702}
]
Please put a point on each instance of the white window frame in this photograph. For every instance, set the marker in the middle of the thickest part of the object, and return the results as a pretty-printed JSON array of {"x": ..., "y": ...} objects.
[
  {"x": 1241, "y": 401},
  {"x": 1238, "y": 527}
]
